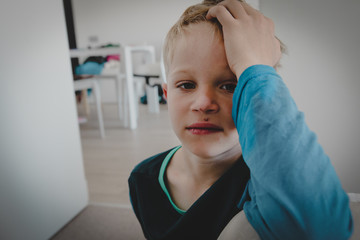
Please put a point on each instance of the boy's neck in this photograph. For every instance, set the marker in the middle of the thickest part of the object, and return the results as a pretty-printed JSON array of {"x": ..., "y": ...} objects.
[
  {"x": 204, "y": 170},
  {"x": 189, "y": 176}
]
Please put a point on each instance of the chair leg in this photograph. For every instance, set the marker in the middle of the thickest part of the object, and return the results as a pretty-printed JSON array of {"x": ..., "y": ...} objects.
[
  {"x": 85, "y": 101},
  {"x": 96, "y": 90},
  {"x": 153, "y": 99},
  {"x": 119, "y": 87},
  {"x": 130, "y": 89},
  {"x": 126, "y": 106}
]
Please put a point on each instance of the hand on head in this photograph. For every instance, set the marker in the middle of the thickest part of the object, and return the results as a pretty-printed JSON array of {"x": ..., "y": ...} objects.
[{"x": 249, "y": 36}]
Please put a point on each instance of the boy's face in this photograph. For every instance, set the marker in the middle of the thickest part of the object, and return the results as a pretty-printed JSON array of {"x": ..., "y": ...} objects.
[{"x": 199, "y": 93}]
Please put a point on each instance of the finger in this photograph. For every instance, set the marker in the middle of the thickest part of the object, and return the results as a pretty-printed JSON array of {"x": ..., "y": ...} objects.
[
  {"x": 221, "y": 13},
  {"x": 235, "y": 7},
  {"x": 249, "y": 9}
]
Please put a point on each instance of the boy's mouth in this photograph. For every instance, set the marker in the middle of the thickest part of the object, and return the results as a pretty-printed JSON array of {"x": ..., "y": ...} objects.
[{"x": 202, "y": 128}]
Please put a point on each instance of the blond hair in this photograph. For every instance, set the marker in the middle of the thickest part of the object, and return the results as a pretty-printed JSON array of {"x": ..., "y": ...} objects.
[{"x": 192, "y": 15}]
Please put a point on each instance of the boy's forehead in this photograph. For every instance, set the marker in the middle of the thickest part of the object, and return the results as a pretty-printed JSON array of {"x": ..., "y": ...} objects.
[
  {"x": 202, "y": 34},
  {"x": 194, "y": 35},
  {"x": 200, "y": 30},
  {"x": 198, "y": 48}
]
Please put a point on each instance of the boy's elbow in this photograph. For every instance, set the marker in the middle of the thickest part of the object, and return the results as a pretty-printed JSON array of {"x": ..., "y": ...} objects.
[
  {"x": 337, "y": 227},
  {"x": 343, "y": 228},
  {"x": 341, "y": 220},
  {"x": 332, "y": 220}
]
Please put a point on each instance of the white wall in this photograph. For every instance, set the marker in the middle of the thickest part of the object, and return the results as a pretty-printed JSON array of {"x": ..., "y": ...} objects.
[
  {"x": 321, "y": 70},
  {"x": 42, "y": 182},
  {"x": 126, "y": 21}
]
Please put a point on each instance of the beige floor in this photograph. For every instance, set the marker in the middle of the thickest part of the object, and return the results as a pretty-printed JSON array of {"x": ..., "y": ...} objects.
[{"x": 108, "y": 162}]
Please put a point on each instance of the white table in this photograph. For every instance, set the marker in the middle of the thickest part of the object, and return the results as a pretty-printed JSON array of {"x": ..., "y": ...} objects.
[
  {"x": 126, "y": 63},
  {"x": 117, "y": 76},
  {"x": 86, "y": 52}
]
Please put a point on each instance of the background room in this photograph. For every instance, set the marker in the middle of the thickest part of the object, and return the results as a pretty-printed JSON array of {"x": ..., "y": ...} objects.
[{"x": 52, "y": 167}]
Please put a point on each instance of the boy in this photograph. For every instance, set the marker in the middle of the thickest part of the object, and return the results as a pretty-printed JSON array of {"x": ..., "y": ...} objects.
[{"x": 245, "y": 146}]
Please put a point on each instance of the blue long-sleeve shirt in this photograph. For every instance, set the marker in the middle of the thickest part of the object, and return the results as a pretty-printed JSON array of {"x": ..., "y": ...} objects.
[{"x": 293, "y": 191}]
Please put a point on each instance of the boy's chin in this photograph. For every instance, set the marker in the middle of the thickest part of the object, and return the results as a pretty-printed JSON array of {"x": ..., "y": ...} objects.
[{"x": 214, "y": 151}]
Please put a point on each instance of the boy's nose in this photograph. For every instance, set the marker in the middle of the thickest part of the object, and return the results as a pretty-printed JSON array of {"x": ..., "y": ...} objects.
[{"x": 205, "y": 102}]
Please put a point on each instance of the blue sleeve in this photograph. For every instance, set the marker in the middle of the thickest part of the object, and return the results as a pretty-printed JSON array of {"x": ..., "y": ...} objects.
[{"x": 294, "y": 192}]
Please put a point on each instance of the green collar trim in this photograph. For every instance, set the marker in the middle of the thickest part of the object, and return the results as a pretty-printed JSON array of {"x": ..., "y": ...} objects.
[{"x": 161, "y": 178}]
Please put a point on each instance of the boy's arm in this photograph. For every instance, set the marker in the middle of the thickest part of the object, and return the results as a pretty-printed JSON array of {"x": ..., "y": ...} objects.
[{"x": 294, "y": 190}]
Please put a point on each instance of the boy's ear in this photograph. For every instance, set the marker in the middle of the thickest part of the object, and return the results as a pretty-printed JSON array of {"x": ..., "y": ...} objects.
[{"x": 164, "y": 87}]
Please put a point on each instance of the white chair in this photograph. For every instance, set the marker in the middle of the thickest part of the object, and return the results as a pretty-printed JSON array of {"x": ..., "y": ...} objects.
[
  {"x": 150, "y": 71},
  {"x": 154, "y": 73},
  {"x": 152, "y": 93},
  {"x": 91, "y": 83},
  {"x": 118, "y": 79}
]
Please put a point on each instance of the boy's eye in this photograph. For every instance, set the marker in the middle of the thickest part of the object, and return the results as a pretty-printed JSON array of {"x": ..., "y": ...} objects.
[
  {"x": 187, "y": 85},
  {"x": 229, "y": 87}
]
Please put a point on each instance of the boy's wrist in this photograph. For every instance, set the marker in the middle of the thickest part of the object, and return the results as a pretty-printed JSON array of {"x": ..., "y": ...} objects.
[
  {"x": 244, "y": 68},
  {"x": 238, "y": 72},
  {"x": 256, "y": 69}
]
